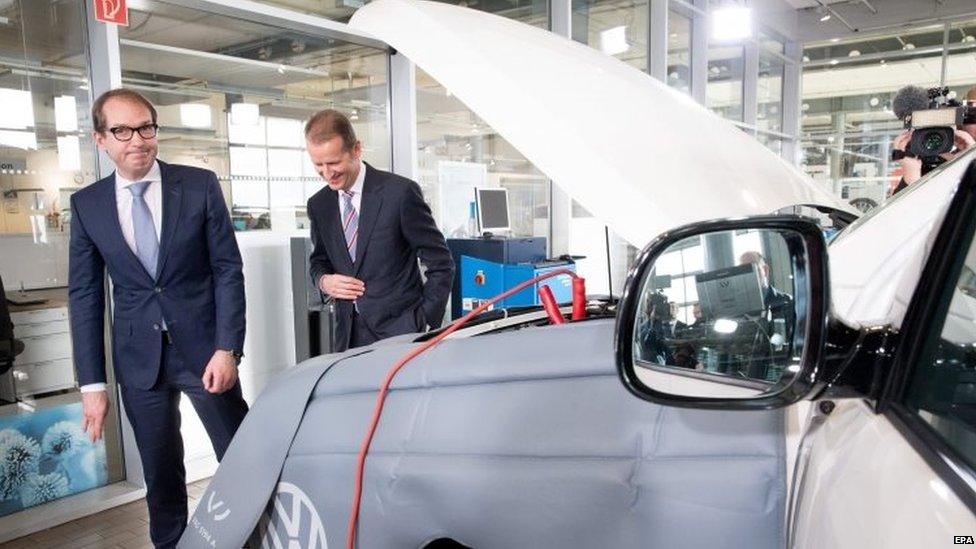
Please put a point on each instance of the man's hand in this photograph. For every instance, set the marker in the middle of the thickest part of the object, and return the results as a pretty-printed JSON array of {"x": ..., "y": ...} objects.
[
  {"x": 94, "y": 406},
  {"x": 901, "y": 140},
  {"x": 341, "y": 286},
  {"x": 911, "y": 167},
  {"x": 221, "y": 372},
  {"x": 963, "y": 141}
]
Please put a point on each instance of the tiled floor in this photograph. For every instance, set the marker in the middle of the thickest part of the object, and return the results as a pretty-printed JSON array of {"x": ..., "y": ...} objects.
[{"x": 122, "y": 527}]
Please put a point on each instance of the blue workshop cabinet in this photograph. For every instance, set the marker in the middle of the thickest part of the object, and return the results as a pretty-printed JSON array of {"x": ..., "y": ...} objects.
[{"x": 482, "y": 280}]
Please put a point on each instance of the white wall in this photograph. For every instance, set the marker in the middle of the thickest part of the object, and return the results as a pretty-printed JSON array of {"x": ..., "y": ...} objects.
[{"x": 269, "y": 346}]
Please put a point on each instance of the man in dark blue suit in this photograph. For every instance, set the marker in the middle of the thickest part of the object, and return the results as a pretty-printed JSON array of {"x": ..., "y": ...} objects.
[
  {"x": 163, "y": 233},
  {"x": 369, "y": 228}
]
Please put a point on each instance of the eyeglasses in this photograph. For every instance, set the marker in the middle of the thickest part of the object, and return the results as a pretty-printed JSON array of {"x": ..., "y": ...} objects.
[{"x": 125, "y": 133}]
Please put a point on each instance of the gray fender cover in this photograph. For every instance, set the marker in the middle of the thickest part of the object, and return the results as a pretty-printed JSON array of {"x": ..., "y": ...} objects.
[
  {"x": 523, "y": 438},
  {"x": 249, "y": 472}
]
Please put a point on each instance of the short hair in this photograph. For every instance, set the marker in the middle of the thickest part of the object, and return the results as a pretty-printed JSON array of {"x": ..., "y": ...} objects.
[
  {"x": 324, "y": 125},
  {"x": 971, "y": 94},
  {"x": 98, "y": 116},
  {"x": 751, "y": 257}
]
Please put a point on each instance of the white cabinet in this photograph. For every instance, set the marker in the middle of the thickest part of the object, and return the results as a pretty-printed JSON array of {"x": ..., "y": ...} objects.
[{"x": 46, "y": 363}]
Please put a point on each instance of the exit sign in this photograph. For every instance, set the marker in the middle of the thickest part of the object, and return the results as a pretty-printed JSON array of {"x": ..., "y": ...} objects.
[{"x": 112, "y": 11}]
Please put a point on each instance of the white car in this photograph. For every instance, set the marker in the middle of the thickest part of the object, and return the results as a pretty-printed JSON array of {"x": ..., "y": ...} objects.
[
  {"x": 823, "y": 396},
  {"x": 884, "y": 348}
]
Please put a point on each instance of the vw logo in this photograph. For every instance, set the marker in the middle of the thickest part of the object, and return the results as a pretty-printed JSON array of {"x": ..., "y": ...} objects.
[
  {"x": 291, "y": 521},
  {"x": 214, "y": 508}
]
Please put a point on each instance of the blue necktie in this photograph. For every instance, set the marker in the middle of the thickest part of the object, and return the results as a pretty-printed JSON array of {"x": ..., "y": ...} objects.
[
  {"x": 350, "y": 225},
  {"x": 147, "y": 243}
]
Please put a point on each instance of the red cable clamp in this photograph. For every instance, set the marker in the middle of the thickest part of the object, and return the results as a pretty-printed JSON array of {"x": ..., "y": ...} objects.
[{"x": 550, "y": 305}]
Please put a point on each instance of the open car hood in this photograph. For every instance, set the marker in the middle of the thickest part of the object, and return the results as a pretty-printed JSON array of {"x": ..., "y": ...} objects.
[{"x": 632, "y": 151}]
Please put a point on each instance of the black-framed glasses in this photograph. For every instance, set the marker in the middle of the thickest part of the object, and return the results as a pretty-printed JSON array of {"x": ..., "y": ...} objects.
[{"x": 125, "y": 133}]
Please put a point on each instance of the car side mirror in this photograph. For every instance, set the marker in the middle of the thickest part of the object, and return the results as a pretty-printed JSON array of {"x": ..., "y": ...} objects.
[{"x": 727, "y": 314}]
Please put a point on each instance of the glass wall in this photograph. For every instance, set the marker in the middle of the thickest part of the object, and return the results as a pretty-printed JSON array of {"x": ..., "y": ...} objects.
[
  {"x": 233, "y": 97},
  {"x": 615, "y": 27},
  {"x": 847, "y": 119},
  {"x": 46, "y": 154},
  {"x": 458, "y": 152},
  {"x": 769, "y": 90},
  {"x": 679, "y": 51},
  {"x": 726, "y": 69}
]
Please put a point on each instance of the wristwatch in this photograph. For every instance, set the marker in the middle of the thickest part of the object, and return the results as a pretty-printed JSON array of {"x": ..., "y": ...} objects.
[{"x": 237, "y": 355}]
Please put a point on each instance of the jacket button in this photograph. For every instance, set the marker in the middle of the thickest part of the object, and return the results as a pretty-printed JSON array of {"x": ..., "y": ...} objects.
[
  {"x": 158, "y": 290},
  {"x": 156, "y": 327}
]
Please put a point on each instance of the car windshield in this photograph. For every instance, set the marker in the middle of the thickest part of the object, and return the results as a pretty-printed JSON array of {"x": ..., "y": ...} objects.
[{"x": 965, "y": 157}]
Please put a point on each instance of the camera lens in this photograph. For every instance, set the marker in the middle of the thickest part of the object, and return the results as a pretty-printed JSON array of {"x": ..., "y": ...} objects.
[{"x": 933, "y": 141}]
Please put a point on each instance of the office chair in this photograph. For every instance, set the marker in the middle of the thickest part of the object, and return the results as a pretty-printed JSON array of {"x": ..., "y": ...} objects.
[{"x": 9, "y": 347}]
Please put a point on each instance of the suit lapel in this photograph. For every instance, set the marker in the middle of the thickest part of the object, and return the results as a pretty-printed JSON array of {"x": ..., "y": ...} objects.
[
  {"x": 172, "y": 189},
  {"x": 107, "y": 201},
  {"x": 370, "y": 207},
  {"x": 335, "y": 234}
]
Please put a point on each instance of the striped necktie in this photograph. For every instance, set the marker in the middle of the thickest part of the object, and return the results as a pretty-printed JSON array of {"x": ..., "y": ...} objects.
[{"x": 350, "y": 225}]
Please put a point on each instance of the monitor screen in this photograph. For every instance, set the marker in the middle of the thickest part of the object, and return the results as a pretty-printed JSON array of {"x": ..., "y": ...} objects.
[
  {"x": 730, "y": 293},
  {"x": 492, "y": 209}
]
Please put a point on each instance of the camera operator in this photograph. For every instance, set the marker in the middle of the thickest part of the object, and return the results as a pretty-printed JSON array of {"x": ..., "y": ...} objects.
[{"x": 908, "y": 100}]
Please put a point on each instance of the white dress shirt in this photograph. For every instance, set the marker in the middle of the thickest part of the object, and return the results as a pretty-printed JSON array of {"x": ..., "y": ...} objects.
[{"x": 123, "y": 200}]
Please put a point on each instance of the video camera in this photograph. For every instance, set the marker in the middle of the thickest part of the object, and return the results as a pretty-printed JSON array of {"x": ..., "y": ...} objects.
[
  {"x": 933, "y": 118},
  {"x": 658, "y": 306}
]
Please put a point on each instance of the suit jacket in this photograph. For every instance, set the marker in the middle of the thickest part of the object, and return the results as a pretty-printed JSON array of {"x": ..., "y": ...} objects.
[
  {"x": 199, "y": 288},
  {"x": 395, "y": 229}
]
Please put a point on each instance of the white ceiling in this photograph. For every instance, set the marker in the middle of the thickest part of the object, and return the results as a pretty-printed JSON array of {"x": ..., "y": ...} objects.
[{"x": 799, "y": 4}]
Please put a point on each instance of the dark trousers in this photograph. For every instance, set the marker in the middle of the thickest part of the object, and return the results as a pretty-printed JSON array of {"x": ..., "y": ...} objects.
[
  {"x": 360, "y": 335},
  {"x": 155, "y": 418}
]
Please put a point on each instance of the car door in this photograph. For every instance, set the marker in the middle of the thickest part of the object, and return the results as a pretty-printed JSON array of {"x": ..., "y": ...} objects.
[{"x": 898, "y": 471}]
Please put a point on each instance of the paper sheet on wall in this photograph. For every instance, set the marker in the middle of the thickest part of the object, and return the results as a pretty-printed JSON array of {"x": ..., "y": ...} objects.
[{"x": 457, "y": 182}]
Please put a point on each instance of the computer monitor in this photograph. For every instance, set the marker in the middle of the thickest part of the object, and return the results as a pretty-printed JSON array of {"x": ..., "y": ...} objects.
[
  {"x": 492, "y": 205},
  {"x": 730, "y": 293}
]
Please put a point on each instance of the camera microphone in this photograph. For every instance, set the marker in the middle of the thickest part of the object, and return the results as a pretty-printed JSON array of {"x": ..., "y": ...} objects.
[{"x": 908, "y": 100}]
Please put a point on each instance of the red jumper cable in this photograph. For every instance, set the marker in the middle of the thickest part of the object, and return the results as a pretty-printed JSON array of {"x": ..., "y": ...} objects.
[{"x": 579, "y": 312}]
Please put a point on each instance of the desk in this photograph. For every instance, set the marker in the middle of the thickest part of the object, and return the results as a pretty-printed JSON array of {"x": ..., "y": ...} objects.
[{"x": 46, "y": 364}]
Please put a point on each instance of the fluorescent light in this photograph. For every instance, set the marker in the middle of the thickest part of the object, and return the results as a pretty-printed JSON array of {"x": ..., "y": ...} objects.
[
  {"x": 18, "y": 109},
  {"x": 195, "y": 115},
  {"x": 731, "y": 23},
  {"x": 66, "y": 113},
  {"x": 18, "y": 140},
  {"x": 614, "y": 41},
  {"x": 69, "y": 153},
  {"x": 244, "y": 114},
  {"x": 825, "y": 17},
  {"x": 725, "y": 326}
]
